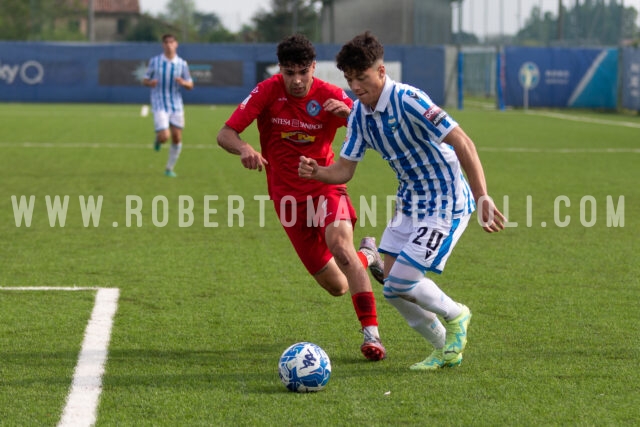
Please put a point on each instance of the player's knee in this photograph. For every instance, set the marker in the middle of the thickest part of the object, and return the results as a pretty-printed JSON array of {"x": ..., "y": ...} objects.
[
  {"x": 335, "y": 288},
  {"x": 337, "y": 292},
  {"x": 341, "y": 254},
  {"x": 332, "y": 280}
]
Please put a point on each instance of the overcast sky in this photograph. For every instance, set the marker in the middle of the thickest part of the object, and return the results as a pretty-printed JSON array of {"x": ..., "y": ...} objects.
[{"x": 480, "y": 17}]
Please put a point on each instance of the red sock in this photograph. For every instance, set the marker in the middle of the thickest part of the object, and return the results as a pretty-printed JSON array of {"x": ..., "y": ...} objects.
[
  {"x": 363, "y": 259},
  {"x": 365, "y": 305}
]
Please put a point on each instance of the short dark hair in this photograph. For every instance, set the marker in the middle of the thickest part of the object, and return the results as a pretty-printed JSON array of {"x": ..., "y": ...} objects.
[
  {"x": 168, "y": 36},
  {"x": 296, "y": 50},
  {"x": 360, "y": 53}
]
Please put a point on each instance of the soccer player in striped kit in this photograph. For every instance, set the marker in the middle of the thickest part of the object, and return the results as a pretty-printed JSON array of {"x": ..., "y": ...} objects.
[
  {"x": 428, "y": 151},
  {"x": 166, "y": 74}
]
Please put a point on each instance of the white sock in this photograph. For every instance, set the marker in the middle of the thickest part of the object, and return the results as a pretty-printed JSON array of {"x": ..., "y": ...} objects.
[
  {"x": 430, "y": 297},
  {"x": 422, "y": 321},
  {"x": 409, "y": 283},
  {"x": 174, "y": 153},
  {"x": 373, "y": 331}
]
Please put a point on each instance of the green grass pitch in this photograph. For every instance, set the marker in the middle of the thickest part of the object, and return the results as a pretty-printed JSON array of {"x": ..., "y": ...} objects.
[{"x": 207, "y": 307}]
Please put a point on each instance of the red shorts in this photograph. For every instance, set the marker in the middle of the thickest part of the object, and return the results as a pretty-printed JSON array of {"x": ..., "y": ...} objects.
[{"x": 305, "y": 224}]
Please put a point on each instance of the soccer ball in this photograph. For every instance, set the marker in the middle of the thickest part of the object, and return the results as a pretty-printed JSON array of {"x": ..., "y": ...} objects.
[{"x": 304, "y": 367}]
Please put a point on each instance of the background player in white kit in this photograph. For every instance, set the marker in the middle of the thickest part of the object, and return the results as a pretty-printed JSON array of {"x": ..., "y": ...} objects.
[
  {"x": 166, "y": 74},
  {"x": 428, "y": 152}
]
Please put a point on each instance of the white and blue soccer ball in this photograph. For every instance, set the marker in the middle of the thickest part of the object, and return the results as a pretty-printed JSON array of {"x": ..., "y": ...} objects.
[{"x": 304, "y": 367}]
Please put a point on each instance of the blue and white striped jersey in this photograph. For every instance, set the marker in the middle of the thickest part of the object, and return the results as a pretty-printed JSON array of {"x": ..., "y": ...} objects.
[
  {"x": 407, "y": 129},
  {"x": 166, "y": 95}
]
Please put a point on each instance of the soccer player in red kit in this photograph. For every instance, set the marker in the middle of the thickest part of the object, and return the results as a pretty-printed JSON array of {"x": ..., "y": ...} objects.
[{"x": 298, "y": 115}]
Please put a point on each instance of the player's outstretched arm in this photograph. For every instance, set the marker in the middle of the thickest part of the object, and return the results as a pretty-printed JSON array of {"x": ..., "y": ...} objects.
[
  {"x": 339, "y": 172},
  {"x": 229, "y": 139}
]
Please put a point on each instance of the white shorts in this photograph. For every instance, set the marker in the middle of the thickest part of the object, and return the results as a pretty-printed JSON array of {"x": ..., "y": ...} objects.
[
  {"x": 426, "y": 243},
  {"x": 162, "y": 120}
]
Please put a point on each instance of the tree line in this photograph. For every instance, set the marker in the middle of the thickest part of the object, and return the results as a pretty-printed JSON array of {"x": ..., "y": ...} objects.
[
  {"x": 592, "y": 22},
  {"x": 587, "y": 22}
]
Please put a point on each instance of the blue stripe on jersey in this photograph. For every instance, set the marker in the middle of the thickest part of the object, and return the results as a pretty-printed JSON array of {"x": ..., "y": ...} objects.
[
  {"x": 441, "y": 168},
  {"x": 163, "y": 86},
  {"x": 415, "y": 187},
  {"x": 409, "y": 138},
  {"x": 349, "y": 146},
  {"x": 172, "y": 87},
  {"x": 405, "y": 161},
  {"x": 420, "y": 149}
]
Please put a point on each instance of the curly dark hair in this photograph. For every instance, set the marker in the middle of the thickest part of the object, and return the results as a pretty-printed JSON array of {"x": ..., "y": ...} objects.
[
  {"x": 360, "y": 53},
  {"x": 296, "y": 50}
]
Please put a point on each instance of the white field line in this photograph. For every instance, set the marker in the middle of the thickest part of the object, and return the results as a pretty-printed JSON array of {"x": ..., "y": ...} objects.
[
  {"x": 48, "y": 288},
  {"x": 561, "y": 116},
  {"x": 95, "y": 145},
  {"x": 82, "y": 401},
  {"x": 560, "y": 150},
  {"x": 481, "y": 104},
  {"x": 583, "y": 119},
  {"x": 212, "y": 146}
]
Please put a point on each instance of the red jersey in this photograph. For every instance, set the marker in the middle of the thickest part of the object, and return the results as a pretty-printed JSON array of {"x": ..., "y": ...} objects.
[{"x": 291, "y": 127}]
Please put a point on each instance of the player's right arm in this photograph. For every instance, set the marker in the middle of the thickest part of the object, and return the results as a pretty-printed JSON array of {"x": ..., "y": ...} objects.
[
  {"x": 150, "y": 82},
  {"x": 339, "y": 172},
  {"x": 248, "y": 110},
  {"x": 230, "y": 140}
]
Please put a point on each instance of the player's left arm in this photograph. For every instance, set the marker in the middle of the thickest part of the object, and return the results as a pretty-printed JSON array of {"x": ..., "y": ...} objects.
[
  {"x": 492, "y": 218},
  {"x": 337, "y": 108},
  {"x": 185, "y": 79},
  {"x": 339, "y": 104},
  {"x": 187, "y": 84}
]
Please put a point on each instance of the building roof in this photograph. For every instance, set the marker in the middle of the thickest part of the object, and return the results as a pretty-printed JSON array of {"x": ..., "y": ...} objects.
[{"x": 114, "y": 6}]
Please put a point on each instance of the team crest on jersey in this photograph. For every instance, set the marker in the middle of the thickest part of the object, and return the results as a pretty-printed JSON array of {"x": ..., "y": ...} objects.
[
  {"x": 313, "y": 108},
  {"x": 392, "y": 123}
]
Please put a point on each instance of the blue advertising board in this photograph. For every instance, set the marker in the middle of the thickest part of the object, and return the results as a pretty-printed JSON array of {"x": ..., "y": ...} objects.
[
  {"x": 560, "y": 77},
  {"x": 81, "y": 72},
  {"x": 631, "y": 78},
  {"x": 223, "y": 73}
]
